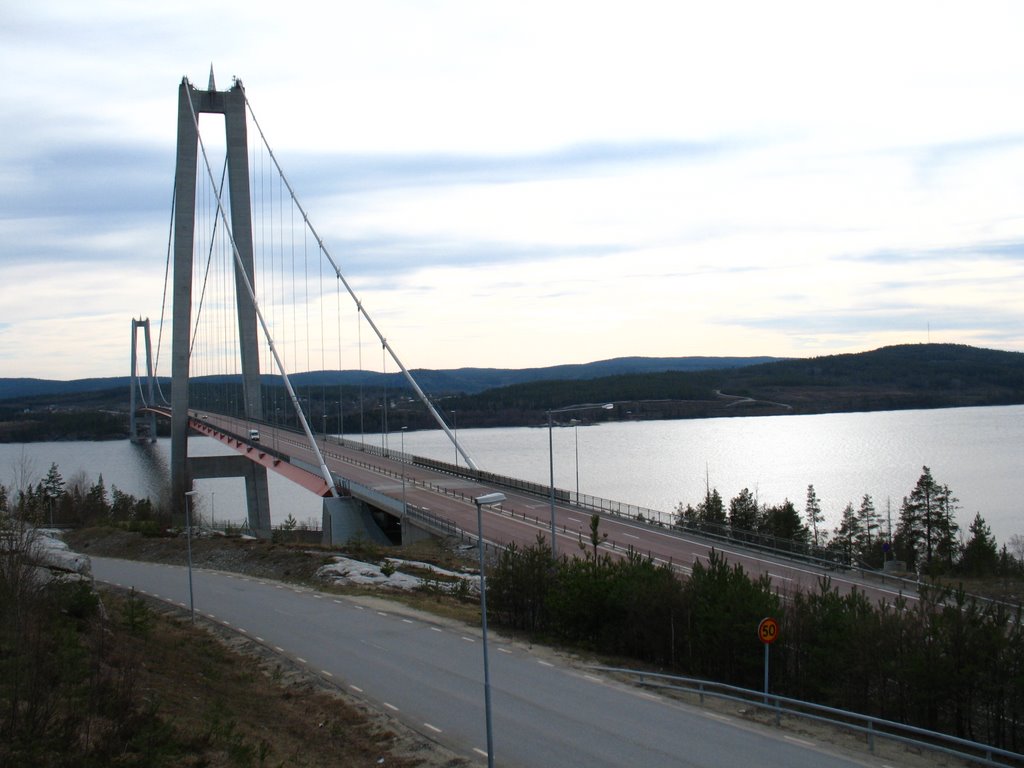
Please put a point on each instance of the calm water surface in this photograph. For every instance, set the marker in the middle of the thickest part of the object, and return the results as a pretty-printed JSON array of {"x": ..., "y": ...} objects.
[{"x": 977, "y": 452}]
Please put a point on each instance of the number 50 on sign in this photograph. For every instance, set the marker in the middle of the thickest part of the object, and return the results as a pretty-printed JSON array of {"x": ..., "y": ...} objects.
[{"x": 768, "y": 630}]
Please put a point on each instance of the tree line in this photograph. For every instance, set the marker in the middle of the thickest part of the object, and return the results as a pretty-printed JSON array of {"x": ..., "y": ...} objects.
[
  {"x": 926, "y": 539},
  {"x": 945, "y": 662},
  {"x": 80, "y": 503}
]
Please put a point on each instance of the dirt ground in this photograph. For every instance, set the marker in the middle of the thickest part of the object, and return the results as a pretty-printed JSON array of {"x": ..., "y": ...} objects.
[{"x": 292, "y": 698}]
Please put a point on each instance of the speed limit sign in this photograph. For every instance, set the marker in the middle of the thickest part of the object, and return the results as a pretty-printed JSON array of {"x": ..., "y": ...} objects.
[{"x": 768, "y": 630}]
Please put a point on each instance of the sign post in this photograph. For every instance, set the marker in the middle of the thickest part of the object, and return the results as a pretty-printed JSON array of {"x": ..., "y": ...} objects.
[{"x": 767, "y": 633}]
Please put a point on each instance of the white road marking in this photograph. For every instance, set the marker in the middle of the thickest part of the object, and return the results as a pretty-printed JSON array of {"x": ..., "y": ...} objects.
[
  {"x": 390, "y": 706},
  {"x": 434, "y": 728},
  {"x": 279, "y": 649},
  {"x": 545, "y": 663},
  {"x": 300, "y": 659},
  {"x": 259, "y": 639},
  {"x": 356, "y": 688},
  {"x": 408, "y": 621},
  {"x": 436, "y": 629},
  {"x": 479, "y": 751},
  {"x": 593, "y": 679},
  {"x": 468, "y": 639},
  {"x": 325, "y": 672},
  {"x": 801, "y": 742},
  {"x": 630, "y": 535},
  {"x": 504, "y": 650}
]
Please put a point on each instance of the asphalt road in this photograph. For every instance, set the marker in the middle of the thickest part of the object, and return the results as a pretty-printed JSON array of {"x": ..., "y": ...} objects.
[{"x": 429, "y": 674}]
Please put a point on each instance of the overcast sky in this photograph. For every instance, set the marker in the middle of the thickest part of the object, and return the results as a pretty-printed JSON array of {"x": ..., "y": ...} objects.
[{"x": 526, "y": 184}]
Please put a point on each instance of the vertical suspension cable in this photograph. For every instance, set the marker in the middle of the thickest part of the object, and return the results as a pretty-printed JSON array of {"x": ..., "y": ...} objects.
[
  {"x": 359, "y": 305},
  {"x": 325, "y": 472}
]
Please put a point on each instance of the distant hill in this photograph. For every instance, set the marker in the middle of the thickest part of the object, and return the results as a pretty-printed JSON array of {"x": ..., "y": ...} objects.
[
  {"x": 890, "y": 378},
  {"x": 460, "y": 380}
]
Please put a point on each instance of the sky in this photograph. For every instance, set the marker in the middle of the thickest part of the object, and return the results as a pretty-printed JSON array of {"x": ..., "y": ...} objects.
[{"x": 522, "y": 184}]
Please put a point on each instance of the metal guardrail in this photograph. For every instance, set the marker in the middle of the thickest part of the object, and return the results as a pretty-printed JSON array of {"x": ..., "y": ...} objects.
[{"x": 870, "y": 727}]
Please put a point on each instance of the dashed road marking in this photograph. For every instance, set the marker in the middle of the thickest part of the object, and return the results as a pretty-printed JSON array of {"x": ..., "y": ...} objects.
[
  {"x": 325, "y": 672},
  {"x": 300, "y": 660},
  {"x": 408, "y": 621},
  {"x": 479, "y": 751},
  {"x": 259, "y": 639},
  {"x": 545, "y": 663},
  {"x": 504, "y": 650},
  {"x": 801, "y": 742},
  {"x": 279, "y": 649},
  {"x": 390, "y": 706},
  {"x": 468, "y": 639},
  {"x": 436, "y": 629},
  {"x": 433, "y": 728}
]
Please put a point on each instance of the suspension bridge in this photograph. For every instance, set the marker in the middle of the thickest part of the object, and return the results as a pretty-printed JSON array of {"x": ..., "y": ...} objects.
[{"x": 256, "y": 296}]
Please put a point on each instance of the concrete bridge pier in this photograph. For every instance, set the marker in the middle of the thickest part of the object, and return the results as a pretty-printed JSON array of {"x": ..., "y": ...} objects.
[{"x": 257, "y": 491}]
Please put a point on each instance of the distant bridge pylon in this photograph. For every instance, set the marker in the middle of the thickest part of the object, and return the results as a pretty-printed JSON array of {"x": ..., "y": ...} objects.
[{"x": 147, "y": 432}]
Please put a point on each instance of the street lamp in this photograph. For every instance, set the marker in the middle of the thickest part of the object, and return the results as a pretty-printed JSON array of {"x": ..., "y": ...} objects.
[
  {"x": 188, "y": 536},
  {"x": 405, "y": 509},
  {"x": 483, "y": 501},
  {"x": 551, "y": 456}
]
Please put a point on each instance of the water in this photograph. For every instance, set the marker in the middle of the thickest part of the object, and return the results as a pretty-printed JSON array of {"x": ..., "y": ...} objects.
[
  {"x": 658, "y": 464},
  {"x": 145, "y": 471}
]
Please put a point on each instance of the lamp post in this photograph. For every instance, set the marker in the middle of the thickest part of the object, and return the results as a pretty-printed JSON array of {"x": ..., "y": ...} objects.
[
  {"x": 405, "y": 509},
  {"x": 576, "y": 435},
  {"x": 483, "y": 501},
  {"x": 551, "y": 456},
  {"x": 188, "y": 537}
]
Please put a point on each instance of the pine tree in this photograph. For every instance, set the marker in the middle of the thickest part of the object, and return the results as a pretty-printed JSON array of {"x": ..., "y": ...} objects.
[
  {"x": 814, "y": 515},
  {"x": 981, "y": 555},
  {"x": 926, "y": 533},
  {"x": 743, "y": 511},
  {"x": 53, "y": 487},
  {"x": 847, "y": 534},
  {"x": 868, "y": 546}
]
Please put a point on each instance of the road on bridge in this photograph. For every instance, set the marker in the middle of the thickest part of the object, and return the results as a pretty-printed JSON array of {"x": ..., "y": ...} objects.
[
  {"x": 429, "y": 674},
  {"x": 524, "y": 515}
]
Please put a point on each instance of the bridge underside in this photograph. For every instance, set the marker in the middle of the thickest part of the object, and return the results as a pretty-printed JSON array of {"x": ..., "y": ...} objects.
[{"x": 345, "y": 518}]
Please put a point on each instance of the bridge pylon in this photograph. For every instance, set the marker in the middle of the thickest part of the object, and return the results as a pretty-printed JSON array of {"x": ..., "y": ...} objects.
[
  {"x": 147, "y": 434},
  {"x": 231, "y": 103}
]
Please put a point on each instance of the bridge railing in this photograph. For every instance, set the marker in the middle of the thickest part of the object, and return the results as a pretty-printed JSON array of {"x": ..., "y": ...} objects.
[{"x": 870, "y": 727}]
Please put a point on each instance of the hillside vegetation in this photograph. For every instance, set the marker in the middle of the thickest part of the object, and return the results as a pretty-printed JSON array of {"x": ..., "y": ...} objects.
[{"x": 891, "y": 378}]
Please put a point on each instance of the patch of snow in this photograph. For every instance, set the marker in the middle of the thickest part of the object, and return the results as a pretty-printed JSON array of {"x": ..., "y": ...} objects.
[
  {"x": 47, "y": 550},
  {"x": 347, "y": 571}
]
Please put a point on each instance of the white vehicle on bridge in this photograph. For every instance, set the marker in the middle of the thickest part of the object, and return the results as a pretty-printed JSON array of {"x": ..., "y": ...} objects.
[{"x": 254, "y": 435}]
